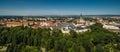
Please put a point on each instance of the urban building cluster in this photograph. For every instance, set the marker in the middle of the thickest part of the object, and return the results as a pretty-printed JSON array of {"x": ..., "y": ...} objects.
[{"x": 79, "y": 24}]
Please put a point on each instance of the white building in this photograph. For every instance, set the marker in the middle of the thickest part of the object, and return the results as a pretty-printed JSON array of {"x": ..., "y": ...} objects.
[
  {"x": 82, "y": 30},
  {"x": 110, "y": 27}
]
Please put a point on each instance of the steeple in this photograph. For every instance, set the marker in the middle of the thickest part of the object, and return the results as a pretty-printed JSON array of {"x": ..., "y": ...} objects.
[
  {"x": 80, "y": 14},
  {"x": 81, "y": 18}
]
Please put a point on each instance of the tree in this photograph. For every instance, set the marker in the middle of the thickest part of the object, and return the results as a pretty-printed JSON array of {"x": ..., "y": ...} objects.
[{"x": 30, "y": 49}]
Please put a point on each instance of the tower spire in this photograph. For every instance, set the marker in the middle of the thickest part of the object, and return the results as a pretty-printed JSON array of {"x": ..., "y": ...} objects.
[
  {"x": 80, "y": 14},
  {"x": 81, "y": 19}
]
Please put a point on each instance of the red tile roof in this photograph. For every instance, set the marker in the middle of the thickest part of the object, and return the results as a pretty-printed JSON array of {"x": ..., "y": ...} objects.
[
  {"x": 36, "y": 26},
  {"x": 2, "y": 23},
  {"x": 14, "y": 23},
  {"x": 17, "y": 23}
]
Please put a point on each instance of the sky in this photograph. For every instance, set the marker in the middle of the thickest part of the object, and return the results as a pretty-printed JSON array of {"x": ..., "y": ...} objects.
[{"x": 59, "y": 7}]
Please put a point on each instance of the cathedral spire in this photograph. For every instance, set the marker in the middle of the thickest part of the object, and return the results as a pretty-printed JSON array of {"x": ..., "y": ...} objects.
[
  {"x": 80, "y": 14},
  {"x": 81, "y": 19}
]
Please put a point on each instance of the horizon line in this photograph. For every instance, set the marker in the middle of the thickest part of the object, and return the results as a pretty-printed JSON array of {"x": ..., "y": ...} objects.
[{"x": 65, "y": 15}]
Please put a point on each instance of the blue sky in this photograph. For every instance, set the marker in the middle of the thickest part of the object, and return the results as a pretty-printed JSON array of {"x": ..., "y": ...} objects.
[{"x": 59, "y": 7}]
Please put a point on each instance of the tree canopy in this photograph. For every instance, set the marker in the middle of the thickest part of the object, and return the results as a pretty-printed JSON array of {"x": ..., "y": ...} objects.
[{"x": 26, "y": 39}]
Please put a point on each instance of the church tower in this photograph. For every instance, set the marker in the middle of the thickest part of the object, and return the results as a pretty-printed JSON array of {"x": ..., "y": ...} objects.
[{"x": 81, "y": 18}]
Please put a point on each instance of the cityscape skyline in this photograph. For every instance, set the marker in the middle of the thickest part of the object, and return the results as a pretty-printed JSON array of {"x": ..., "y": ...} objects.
[{"x": 59, "y": 7}]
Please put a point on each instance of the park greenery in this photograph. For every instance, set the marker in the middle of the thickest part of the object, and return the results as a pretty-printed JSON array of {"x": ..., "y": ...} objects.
[{"x": 26, "y": 39}]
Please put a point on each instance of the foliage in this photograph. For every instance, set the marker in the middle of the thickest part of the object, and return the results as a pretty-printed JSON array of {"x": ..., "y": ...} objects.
[{"x": 26, "y": 39}]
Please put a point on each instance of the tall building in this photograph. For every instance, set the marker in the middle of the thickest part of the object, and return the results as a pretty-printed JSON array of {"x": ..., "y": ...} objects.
[{"x": 81, "y": 19}]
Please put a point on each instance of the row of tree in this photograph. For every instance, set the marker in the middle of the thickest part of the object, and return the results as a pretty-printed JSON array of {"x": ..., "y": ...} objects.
[{"x": 26, "y": 39}]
